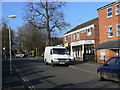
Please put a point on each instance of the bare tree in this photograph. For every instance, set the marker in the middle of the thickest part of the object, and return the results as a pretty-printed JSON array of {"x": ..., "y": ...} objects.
[
  {"x": 47, "y": 16},
  {"x": 29, "y": 38}
]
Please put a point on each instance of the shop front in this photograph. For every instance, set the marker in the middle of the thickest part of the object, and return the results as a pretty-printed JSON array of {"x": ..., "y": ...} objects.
[
  {"x": 108, "y": 49},
  {"x": 82, "y": 47}
]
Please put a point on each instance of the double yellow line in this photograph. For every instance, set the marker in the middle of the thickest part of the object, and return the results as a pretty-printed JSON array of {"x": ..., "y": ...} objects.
[{"x": 27, "y": 82}]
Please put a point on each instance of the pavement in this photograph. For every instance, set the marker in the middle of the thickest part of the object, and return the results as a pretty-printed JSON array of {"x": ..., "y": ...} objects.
[{"x": 10, "y": 81}]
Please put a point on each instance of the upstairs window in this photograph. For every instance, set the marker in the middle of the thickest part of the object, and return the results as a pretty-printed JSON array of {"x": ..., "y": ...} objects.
[
  {"x": 77, "y": 35},
  {"x": 118, "y": 30},
  {"x": 117, "y": 9},
  {"x": 73, "y": 36},
  {"x": 89, "y": 32},
  {"x": 83, "y": 31},
  {"x": 110, "y": 31},
  {"x": 65, "y": 38},
  {"x": 109, "y": 12}
]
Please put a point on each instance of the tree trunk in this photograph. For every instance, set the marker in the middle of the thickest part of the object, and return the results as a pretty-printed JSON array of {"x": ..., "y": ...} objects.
[{"x": 48, "y": 30}]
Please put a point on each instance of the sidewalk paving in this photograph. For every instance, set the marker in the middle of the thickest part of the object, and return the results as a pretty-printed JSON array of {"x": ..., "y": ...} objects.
[
  {"x": 86, "y": 66},
  {"x": 10, "y": 81}
]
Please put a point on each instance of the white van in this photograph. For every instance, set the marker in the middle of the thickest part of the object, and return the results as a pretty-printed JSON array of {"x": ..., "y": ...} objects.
[{"x": 56, "y": 55}]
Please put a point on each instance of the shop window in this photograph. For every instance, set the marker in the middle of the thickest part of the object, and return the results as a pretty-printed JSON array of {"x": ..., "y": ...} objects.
[
  {"x": 117, "y": 9},
  {"x": 102, "y": 54},
  {"x": 89, "y": 32},
  {"x": 109, "y": 12},
  {"x": 118, "y": 30},
  {"x": 77, "y": 35},
  {"x": 110, "y": 31}
]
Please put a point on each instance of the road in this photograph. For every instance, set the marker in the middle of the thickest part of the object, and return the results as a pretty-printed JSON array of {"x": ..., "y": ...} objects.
[{"x": 35, "y": 74}]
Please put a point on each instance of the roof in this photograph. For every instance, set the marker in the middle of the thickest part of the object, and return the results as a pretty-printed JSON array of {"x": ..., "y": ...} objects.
[
  {"x": 83, "y": 25},
  {"x": 112, "y": 44},
  {"x": 108, "y": 5}
]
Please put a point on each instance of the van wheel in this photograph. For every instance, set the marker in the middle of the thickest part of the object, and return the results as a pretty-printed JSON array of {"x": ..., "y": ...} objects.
[
  {"x": 52, "y": 63},
  {"x": 46, "y": 62}
]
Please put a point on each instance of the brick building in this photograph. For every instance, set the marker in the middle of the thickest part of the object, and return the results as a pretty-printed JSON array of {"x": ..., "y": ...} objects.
[
  {"x": 82, "y": 39},
  {"x": 109, "y": 31}
]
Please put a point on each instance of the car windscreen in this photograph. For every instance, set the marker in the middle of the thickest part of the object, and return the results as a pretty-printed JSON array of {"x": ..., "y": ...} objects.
[{"x": 59, "y": 51}]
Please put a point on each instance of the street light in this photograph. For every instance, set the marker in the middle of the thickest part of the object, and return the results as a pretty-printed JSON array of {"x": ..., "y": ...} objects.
[{"x": 10, "y": 16}]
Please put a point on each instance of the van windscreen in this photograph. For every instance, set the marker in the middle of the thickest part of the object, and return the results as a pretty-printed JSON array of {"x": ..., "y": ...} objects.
[{"x": 59, "y": 51}]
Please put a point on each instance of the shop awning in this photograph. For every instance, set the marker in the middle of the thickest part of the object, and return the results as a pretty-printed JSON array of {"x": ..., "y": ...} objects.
[{"x": 112, "y": 44}]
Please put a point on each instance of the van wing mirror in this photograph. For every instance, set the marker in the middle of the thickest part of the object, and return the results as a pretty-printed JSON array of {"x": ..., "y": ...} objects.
[{"x": 51, "y": 51}]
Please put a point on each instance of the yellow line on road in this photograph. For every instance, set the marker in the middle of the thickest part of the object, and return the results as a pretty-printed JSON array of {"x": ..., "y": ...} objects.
[{"x": 25, "y": 79}]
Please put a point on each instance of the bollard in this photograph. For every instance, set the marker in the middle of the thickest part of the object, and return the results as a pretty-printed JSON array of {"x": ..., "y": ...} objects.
[{"x": 104, "y": 58}]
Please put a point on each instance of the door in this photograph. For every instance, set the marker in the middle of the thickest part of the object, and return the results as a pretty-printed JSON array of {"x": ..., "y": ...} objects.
[
  {"x": 116, "y": 70},
  {"x": 107, "y": 68}
]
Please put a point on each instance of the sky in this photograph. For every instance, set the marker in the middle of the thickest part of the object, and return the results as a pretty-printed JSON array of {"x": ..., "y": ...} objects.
[{"x": 75, "y": 13}]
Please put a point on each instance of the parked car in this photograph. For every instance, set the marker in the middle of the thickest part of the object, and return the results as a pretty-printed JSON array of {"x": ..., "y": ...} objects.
[
  {"x": 56, "y": 55},
  {"x": 110, "y": 70}
]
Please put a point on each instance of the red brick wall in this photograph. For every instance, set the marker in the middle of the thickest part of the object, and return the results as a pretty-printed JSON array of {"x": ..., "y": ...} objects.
[
  {"x": 83, "y": 36},
  {"x": 104, "y": 22}
]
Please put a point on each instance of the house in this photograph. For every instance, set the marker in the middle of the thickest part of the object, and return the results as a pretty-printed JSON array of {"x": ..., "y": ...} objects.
[
  {"x": 109, "y": 31},
  {"x": 82, "y": 39}
]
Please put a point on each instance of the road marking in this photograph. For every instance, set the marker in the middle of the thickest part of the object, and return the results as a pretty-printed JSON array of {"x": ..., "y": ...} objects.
[
  {"x": 81, "y": 69},
  {"x": 25, "y": 79}
]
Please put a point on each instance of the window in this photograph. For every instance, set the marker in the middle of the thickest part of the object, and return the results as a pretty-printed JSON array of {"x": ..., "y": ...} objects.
[
  {"x": 102, "y": 54},
  {"x": 89, "y": 32},
  {"x": 73, "y": 36},
  {"x": 111, "y": 62},
  {"x": 83, "y": 31},
  {"x": 110, "y": 31},
  {"x": 109, "y": 12},
  {"x": 118, "y": 62},
  {"x": 117, "y": 9},
  {"x": 77, "y": 35},
  {"x": 65, "y": 38},
  {"x": 118, "y": 30},
  {"x": 59, "y": 51}
]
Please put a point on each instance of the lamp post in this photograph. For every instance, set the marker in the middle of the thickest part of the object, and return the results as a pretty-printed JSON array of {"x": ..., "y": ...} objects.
[{"x": 10, "y": 16}]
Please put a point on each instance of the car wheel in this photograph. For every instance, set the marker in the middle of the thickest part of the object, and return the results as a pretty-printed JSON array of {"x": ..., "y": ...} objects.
[
  {"x": 100, "y": 78},
  {"x": 52, "y": 63}
]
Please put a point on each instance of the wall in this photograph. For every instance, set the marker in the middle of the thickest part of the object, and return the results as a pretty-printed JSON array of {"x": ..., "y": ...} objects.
[{"x": 104, "y": 22}]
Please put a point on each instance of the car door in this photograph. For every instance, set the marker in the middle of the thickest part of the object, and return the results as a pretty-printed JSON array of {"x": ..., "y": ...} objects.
[
  {"x": 116, "y": 70},
  {"x": 106, "y": 69}
]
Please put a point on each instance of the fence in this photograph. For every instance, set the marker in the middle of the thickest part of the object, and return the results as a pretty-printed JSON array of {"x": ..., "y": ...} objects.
[{"x": 95, "y": 58}]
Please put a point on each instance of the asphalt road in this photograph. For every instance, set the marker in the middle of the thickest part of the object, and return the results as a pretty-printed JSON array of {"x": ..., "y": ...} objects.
[{"x": 35, "y": 74}]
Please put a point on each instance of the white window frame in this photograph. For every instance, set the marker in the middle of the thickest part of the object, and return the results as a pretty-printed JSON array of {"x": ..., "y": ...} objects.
[
  {"x": 89, "y": 33},
  {"x": 65, "y": 38},
  {"x": 117, "y": 30},
  {"x": 109, "y": 12},
  {"x": 117, "y": 9},
  {"x": 109, "y": 31},
  {"x": 73, "y": 36},
  {"x": 102, "y": 54},
  {"x": 78, "y": 35}
]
